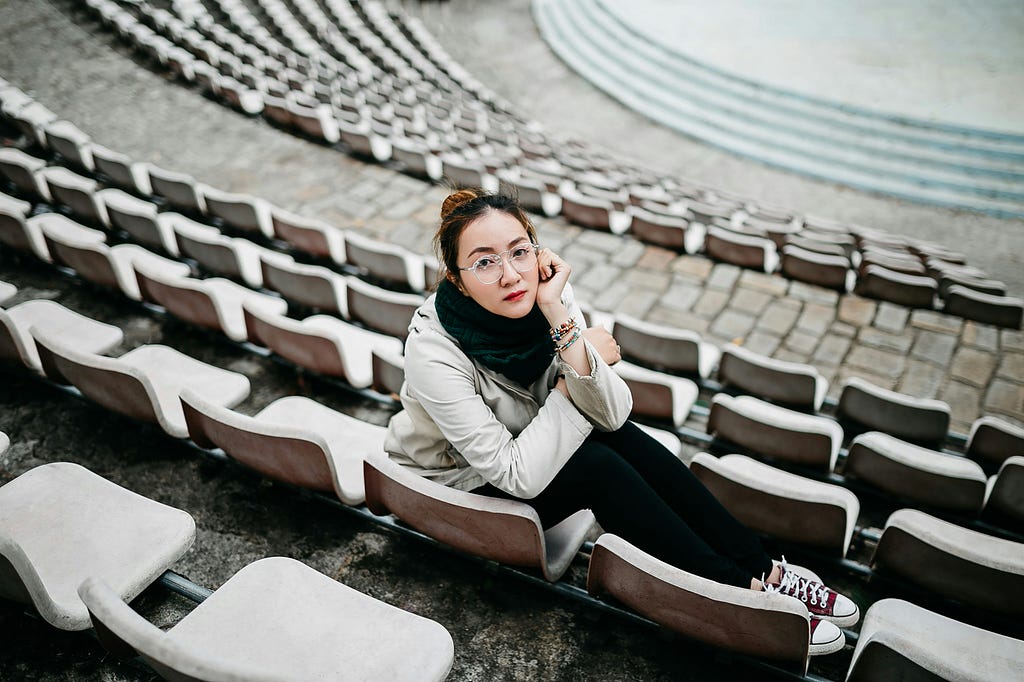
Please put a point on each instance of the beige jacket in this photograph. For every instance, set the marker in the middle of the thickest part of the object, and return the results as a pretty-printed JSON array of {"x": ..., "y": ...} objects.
[{"x": 465, "y": 425}]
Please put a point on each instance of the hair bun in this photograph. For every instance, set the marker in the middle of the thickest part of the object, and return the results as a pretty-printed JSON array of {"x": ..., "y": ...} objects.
[{"x": 456, "y": 199}]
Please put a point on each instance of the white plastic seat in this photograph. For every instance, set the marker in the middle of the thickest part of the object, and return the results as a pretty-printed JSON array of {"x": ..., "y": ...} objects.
[
  {"x": 416, "y": 158},
  {"x": 7, "y": 292},
  {"x": 775, "y": 431},
  {"x": 31, "y": 119},
  {"x": 178, "y": 189},
  {"x": 791, "y": 383},
  {"x": 898, "y": 414},
  {"x": 598, "y": 214},
  {"x": 670, "y": 348},
  {"x": 960, "y": 564},
  {"x": 466, "y": 172},
  {"x": 293, "y": 439},
  {"x": 386, "y": 311},
  {"x": 775, "y": 626},
  {"x": 129, "y": 175},
  {"x": 900, "y": 640},
  {"x": 916, "y": 291},
  {"x": 313, "y": 286},
  {"x": 385, "y": 261},
  {"x": 1001, "y": 311},
  {"x": 927, "y": 477},
  {"x": 502, "y": 530},
  {"x": 278, "y": 620},
  {"x": 233, "y": 257},
  {"x": 144, "y": 383},
  {"x": 316, "y": 121},
  {"x": 60, "y": 524},
  {"x": 54, "y": 226},
  {"x": 70, "y": 142},
  {"x": 111, "y": 266},
  {"x": 214, "y": 303},
  {"x": 13, "y": 229},
  {"x": 5, "y": 442},
  {"x": 992, "y": 440},
  {"x": 777, "y": 503},
  {"x": 658, "y": 395},
  {"x": 826, "y": 270},
  {"x": 22, "y": 170},
  {"x": 315, "y": 237},
  {"x": 321, "y": 343},
  {"x": 746, "y": 251},
  {"x": 671, "y": 232},
  {"x": 17, "y": 345},
  {"x": 242, "y": 212},
  {"x": 76, "y": 192},
  {"x": 1004, "y": 495},
  {"x": 140, "y": 219}
]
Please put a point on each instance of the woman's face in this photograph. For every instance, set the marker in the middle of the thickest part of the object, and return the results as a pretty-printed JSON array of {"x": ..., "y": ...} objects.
[{"x": 497, "y": 233}]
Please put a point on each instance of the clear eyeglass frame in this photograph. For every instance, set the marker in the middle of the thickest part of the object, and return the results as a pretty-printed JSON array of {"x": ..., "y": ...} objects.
[{"x": 489, "y": 271}]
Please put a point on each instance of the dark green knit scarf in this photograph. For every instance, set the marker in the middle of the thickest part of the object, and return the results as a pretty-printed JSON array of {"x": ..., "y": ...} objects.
[{"x": 520, "y": 349}]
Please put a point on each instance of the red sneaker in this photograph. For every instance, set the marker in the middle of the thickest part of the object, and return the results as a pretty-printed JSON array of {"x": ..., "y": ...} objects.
[
  {"x": 820, "y": 601},
  {"x": 826, "y": 638}
]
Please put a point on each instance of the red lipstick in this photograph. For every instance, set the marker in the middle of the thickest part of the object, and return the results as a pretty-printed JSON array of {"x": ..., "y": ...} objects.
[{"x": 515, "y": 296}]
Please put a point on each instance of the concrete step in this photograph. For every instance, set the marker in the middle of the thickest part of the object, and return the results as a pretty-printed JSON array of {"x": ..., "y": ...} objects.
[{"x": 921, "y": 163}]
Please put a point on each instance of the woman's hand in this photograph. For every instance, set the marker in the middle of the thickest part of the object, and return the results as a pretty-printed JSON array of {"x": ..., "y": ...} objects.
[
  {"x": 604, "y": 343},
  {"x": 554, "y": 273}
]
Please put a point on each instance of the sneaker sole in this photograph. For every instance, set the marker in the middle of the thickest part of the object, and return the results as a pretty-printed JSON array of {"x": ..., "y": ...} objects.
[{"x": 827, "y": 647}]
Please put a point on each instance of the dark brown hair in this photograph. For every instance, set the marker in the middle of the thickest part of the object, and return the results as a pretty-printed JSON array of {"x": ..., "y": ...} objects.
[{"x": 463, "y": 207}]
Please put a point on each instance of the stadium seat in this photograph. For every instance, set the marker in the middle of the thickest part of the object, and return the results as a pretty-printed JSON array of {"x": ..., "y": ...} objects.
[
  {"x": 214, "y": 303},
  {"x": 904, "y": 416},
  {"x": 31, "y": 120},
  {"x": 110, "y": 266},
  {"x": 743, "y": 250},
  {"x": 1001, "y": 311},
  {"x": 775, "y": 626},
  {"x": 900, "y": 640},
  {"x": 779, "y": 504},
  {"x": 415, "y": 158},
  {"x": 120, "y": 169},
  {"x": 964, "y": 565},
  {"x": 18, "y": 347},
  {"x": 598, "y": 214},
  {"x": 1004, "y": 495},
  {"x": 241, "y": 212},
  {"x": 321, "y": 343},
  {"x": 313, "y": 286},
  {"x": 385, "y": 262},
  {"x": 909, "y": 472},
  {"x": 275, "y": 620},
  {"x": 829, "y": 271},
  {"x": 144, "y": 383},
  {"x": 992, "y": 440},
  {"x": 314, "y": 237},
  {"x": 658, "y": 395},
  {"x": 388, "y": 372},
  {"x": 22, "y": 170},
  {"x": 7, "y": 292},
  {"x": 73, "y": 145},
  {"x": 293, "y": 439},
  {"x": 75, "y": 191},
  {"x": 14, "y": 231},
  {"x": 776, "y": 432},
  {"x": 60, "y": 524},
  {"x": 385, "y": 311},
  {"x": 506, "y": 531},
  {"x": 669, "y": 348},
  {"x": 234, "y": 257},
  {"x": 140, "y": 220},
  {"x": 791, "y": 383},
  {"x": 914, "y": 291},
  {"x": 180, "y": 190},
  {"x": 675, "y": 233}
]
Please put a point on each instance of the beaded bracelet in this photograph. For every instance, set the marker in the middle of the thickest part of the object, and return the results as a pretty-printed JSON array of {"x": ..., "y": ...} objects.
[
  {"x": 572, "y": 339},
  {"x": 561, "y": 331}
]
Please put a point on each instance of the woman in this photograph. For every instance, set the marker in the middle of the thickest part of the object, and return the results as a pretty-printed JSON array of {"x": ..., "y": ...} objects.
[{"x": 508, "y": 394}]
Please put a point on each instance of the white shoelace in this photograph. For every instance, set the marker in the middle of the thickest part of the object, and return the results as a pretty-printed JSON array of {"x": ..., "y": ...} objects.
[{"x": 807, "y": 591}]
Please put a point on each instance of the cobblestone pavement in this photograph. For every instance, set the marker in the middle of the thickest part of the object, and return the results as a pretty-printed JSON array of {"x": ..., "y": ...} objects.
[{"x": 69, "y": 64}]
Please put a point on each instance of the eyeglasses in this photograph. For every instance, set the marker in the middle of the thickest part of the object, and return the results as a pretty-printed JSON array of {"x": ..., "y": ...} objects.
[{"x": 489, "y": 269}]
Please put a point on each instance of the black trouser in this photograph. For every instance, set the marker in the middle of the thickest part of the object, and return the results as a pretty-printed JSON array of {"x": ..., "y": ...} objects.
[{"x": 641, "y": 492}]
